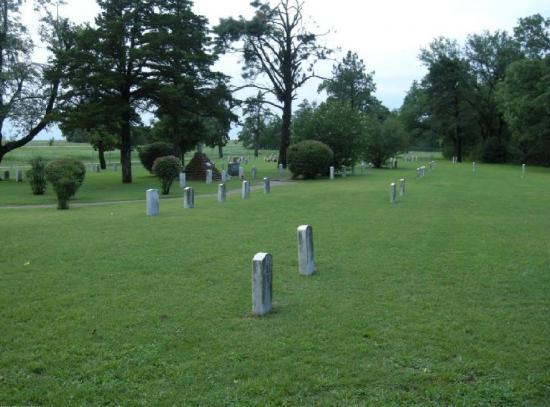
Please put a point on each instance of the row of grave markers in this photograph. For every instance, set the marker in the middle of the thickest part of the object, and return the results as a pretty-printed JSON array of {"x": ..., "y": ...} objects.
[{"x": 152, "y": 196}]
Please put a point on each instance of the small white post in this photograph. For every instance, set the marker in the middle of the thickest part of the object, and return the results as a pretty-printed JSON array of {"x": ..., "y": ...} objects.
[
  {"x": 393, "y": 193},
  {"x": 209, "y": 177},
  {"x": 306, "y": 265},
  {"x": 331, "y": 172},
  {"x": 183, "y": 181},
  {"x": 152, "y": 202},
  {"x": 267, "y": 185},
  {"x": 224, "y": 176},
  {"x": 241, "y": 172},
  {"x": 402, "y": 187},
  {"x": 19, "y": 175},
  {"x": 522, "y": 170},
  {"x": 188, "y": 198},
  {"x": 246, "y": 190},
  {"x": 281, "y": 168},
  {"x": 221, "y": 193},
  {"x": 262, "y": 283}
]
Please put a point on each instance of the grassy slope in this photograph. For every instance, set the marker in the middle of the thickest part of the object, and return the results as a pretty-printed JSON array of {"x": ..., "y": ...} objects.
[{"x": 443, "y": 298}]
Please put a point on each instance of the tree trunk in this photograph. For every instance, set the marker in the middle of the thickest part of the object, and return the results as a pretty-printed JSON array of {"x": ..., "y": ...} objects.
[
  {"x": 101, "y": 153},
  {"x": 220, "y": 151},
  {"x": 285, "y": 131},
  {"x": 126, "y": 153}
]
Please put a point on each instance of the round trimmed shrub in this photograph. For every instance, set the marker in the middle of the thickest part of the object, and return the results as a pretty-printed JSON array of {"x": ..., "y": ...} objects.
[
  {"x": 66, "y": 176},
  {"x": 309, "y": 158},
  {"x": 167, "y": 169},
  {"x": 150, "y": 152},
  {"x": 37, "y": 175}
]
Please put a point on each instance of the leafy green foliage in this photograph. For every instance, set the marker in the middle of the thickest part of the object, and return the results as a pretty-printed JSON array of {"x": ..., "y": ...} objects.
[
  {"x": 66, "y": 176},
  {"x": 37, "y": 175},
  {"x": 524, "y": 97},
  {"x": 334, "y": 123},
  {"x": 167, "y": 169},
  {"x": 309, "y": 158},
  {"x": 150, "y": 152},
  {"x": 383, "y": 139}
]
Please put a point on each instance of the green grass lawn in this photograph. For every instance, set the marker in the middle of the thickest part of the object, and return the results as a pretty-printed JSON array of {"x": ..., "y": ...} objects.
[
  {"x": 441, "y": 299},
  {"x": 107, "y": 186}
]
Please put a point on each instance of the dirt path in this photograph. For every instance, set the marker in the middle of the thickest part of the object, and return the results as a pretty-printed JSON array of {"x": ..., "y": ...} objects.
[{"x": 104, "y": 203}]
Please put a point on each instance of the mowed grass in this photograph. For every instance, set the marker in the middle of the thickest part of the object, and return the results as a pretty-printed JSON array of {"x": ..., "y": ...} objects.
[
  {"x": 107, "y": 186},
  {"x": 441, "y": 299}
]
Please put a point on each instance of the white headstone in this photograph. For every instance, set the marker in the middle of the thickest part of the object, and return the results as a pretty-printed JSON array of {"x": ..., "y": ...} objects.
[
  {"x": 331, "y": 172},
  {"x": 418, "y": 173},
  {"x": 19, "y": 175},
  {"x": 241, "y": 172},
  {"x": 281, "y": 168},
  {"x": 262, "y": 283},
  {"x": 224, "y": 176},
  {"x": 267, "y": 185},
  {"x": 152, "y": 202},
  {"x": 221, "y": 193},
  {"x": 246, "y": 190},
  {"x": 208, "y": 177},
  {"x": 393, "y": 193},
  {"x": 188, "y": 198},
  {"x": 522, "y": 170},
  {"x": 402, "y": 187},
  {"x": 306, "y": 264}
]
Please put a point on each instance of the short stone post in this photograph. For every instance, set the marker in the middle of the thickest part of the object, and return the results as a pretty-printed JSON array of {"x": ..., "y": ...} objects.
[
  {"x": 188, "y": 198},
  {"x": 281, "y": 168},
  {"x": 254, "y": 171},
  {"x": 152, "y": 202},
  {"x": 246, "y": 190},
  {"x": 221, "y": 193},
  {"x": 306, "y": 264},
  {"x": 6, "y": 175},
  {"x": 183, "y": 181},
  {"x": 224, "y": 176},
  {"x": 522, "y": 170},
  {"x": 331, "y": 172},
  {"x": 241, "y": 172},
  {"x": 262, "y": 283},
  {"x": 267, "y": 185},
  {"x": 19, "y": 176},
  {"x": 402, "y": 187},
  {"x": 393, "y": 193},
  {"x": 209, "y": 177}
]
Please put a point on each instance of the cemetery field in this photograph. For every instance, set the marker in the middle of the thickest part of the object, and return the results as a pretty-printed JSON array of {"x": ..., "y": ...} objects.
[{"x": 440, "y": 299}]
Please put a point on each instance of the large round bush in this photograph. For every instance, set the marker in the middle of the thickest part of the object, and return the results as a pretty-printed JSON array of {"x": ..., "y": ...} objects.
[
  {"x": 150, "y": 152},
  {"x": 167, "y": 169},
  {"x": 309, "y": 158},
  {"x": 66, "y": 176}
]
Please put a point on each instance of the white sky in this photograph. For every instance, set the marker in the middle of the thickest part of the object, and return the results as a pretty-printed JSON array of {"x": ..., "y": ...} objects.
[{"x": 387, "y": 35}]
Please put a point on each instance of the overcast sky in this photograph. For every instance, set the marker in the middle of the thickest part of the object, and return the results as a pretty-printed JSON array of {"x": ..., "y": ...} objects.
[{"x": 387, "y": 35}]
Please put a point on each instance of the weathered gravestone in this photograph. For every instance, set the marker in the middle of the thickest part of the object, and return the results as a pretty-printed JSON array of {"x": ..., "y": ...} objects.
[
  {"x": 331, "y": 172},
  {"x": 188, "y": 198},
  {"x": 221, "y": 193},
  {"x": 393, "y": 193},
  {"x": 224, "y": 176},
  {"x": 262, "y": 283},
  {"x": 245, "y": 190},
  {"x": 19, "y": 176},
  {"x": 306, "y": 265},
  {"x": 402, "y": 187},
  {"x": 267, "y": 185},
  {"x": 183, "y": 180},
  {"x": 209, "y": 177},
  {"x": 152, "y": 202}
]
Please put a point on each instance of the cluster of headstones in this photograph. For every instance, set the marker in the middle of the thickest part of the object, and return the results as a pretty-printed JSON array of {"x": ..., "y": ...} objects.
[
  {"x": 393, "y": 190},
  {"x": 97, "y": 167},
  {"x": 271, "y": 158},
  {"x": 393, "y": 162},
  {"x": 152, "y": 195},
  {"x": 262, "y": 271},
  {"x": 18, "y": 175},
  {"x": 236, "y": 159},
  {"x": 344, "y": 170},
  {"x": 410, "y": 158}
]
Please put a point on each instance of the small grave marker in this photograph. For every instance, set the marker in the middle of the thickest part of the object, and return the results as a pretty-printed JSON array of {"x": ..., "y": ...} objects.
[
  {"x": 152, "y": 202},
  {"x": 262, "y": 283},
  {"x": 306, "y": 264}
]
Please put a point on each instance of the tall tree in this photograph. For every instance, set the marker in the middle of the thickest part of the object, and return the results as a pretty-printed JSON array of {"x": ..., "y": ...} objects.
[
  {"x": 416, "y": 119},
  {"x": 277, "y": 44},
  {"x": 350, "y": 82},
  {"x": 448, "y": 85},
  {"x": 255, "y": 121},
  {"x": 533, "y": 36},
  {"x": 28, "y": 90}
]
